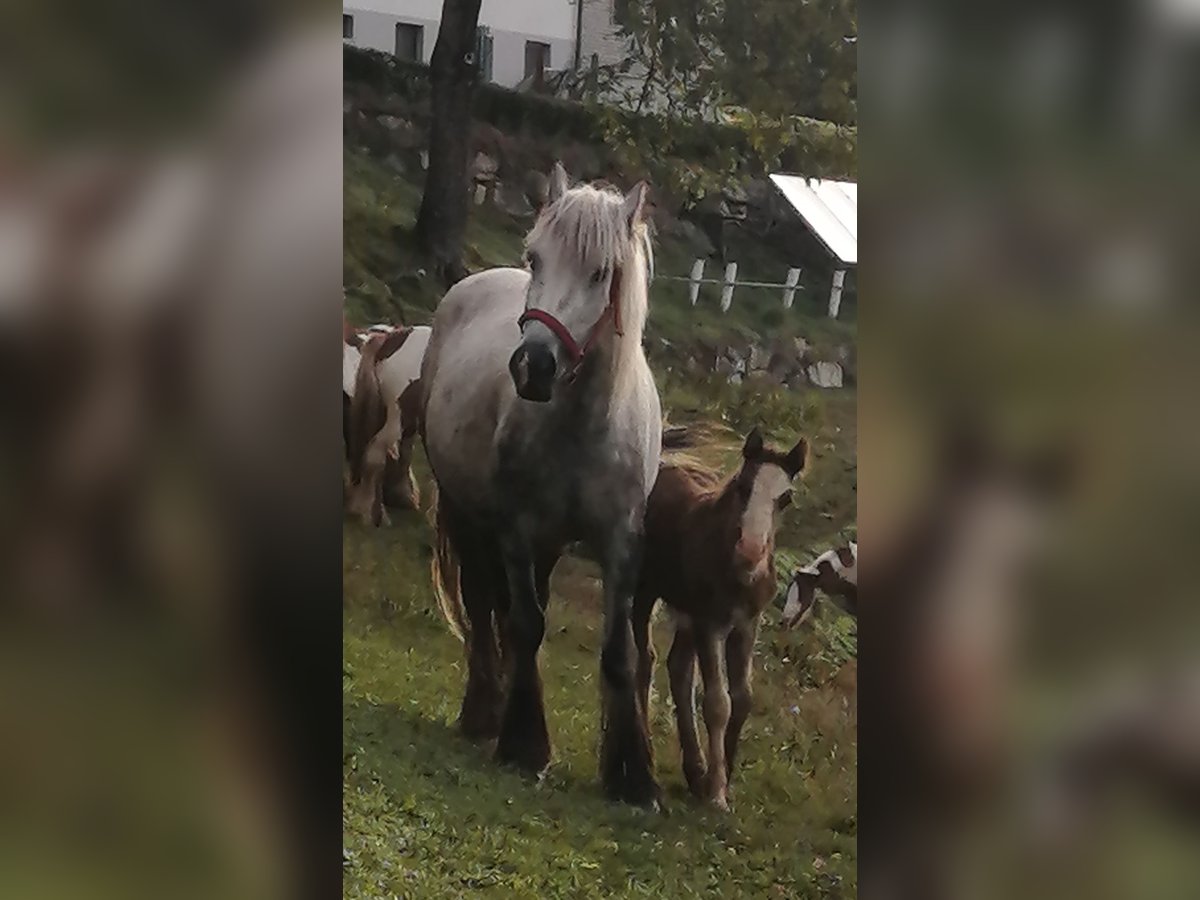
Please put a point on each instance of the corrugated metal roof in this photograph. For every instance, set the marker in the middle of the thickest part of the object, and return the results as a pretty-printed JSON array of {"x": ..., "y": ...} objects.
[{"x": 829, "y": 208}]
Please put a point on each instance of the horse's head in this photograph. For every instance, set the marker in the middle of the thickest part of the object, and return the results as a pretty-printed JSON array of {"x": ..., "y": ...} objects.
[
  {"x": 763, "y": 488},
  {"x": 581, "y": 254}
]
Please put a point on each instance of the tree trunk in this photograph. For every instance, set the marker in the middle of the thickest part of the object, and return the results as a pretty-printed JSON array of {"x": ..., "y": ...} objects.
[{"x": 442, "y": 221}]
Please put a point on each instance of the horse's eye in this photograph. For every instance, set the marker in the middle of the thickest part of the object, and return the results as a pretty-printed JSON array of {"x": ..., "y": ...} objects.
[
  {"x": 784, "y": 501},
  {"x": 598, "y": 276}
]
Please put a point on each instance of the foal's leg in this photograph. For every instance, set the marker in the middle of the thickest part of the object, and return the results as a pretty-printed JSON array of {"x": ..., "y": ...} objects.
[
  {"x": 739, "y": 658},
  {"x": 716, "y": 714},
  {"x": 681, "y": 664},
  {"x": 524, "y": 740},
  {"x": 626, "y": 760}
]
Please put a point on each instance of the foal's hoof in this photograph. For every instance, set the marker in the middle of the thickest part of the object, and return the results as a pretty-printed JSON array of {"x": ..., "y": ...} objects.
[
  {"x": 719, "y": 801},
  {"x": 717, "y": 795}
]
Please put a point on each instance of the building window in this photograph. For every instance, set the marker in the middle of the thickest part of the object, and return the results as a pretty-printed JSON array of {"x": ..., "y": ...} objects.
[
  {"x": 410, "y": 41},
  {"x": 347, "y": 27},
  {"x": 537, "y": 61}
]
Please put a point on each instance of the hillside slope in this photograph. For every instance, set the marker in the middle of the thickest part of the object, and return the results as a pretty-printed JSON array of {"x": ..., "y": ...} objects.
[{"x": 427, "y": 814}]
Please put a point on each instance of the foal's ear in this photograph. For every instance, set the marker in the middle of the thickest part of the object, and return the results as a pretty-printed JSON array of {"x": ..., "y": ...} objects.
[
  {"x": 797, "y": 458},
  {"x": 558, "y": 182},
  {"x": 635, "y": 201},
  {"x": 753, "y": 447}
]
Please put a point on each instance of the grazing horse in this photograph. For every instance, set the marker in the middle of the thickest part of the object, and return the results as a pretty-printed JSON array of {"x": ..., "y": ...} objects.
[
  {"x": 381, "y": 404},
  {"x": 710, "y": 555},
  {"x": 543, "y": 428},
  {"x": 835, "y": 572}
]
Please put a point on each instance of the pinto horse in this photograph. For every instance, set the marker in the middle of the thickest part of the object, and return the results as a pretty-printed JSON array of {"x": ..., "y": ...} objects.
[
  {"x": 710, "y": 555},
  {"x": 381, "y": 406},
  {"x": 543, "y": 428},
  {"x": 835, "y": 572}
]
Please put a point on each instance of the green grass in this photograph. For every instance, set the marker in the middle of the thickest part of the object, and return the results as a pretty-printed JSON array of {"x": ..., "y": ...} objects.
[{"x": 427, "y": 814}]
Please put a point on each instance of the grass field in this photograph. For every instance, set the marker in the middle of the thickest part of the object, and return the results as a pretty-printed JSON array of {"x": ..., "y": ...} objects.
[{"x": 427, "y": 814}]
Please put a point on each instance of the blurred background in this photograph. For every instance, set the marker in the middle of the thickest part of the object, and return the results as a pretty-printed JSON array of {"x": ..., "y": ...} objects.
[
  {"x": 170, "y": 240},
  {"x": 170, "y": 263},
  {"x": 1030, "y": 685}
]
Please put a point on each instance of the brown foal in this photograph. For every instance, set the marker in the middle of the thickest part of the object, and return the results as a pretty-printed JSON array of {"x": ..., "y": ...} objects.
[{"x": 709, "y": 554}]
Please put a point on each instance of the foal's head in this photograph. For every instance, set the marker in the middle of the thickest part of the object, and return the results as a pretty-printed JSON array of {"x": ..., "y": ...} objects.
[
  {"x": 588, "y": 257},
  {"x": 762, "y": 490}
]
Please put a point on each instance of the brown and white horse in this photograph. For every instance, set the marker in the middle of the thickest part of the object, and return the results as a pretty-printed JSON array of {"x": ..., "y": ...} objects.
[
  {"x": 835, "y": 572},
  {"x": 710, "y": 556},
  {"x": 543, "y": 428},
  {"x": 380, "y": 416}
]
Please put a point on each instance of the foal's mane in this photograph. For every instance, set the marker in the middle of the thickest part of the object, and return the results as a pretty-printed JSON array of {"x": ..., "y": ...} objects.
[
  {"x": 588, "y": 222},
  {"x": 709, "y": 483}
]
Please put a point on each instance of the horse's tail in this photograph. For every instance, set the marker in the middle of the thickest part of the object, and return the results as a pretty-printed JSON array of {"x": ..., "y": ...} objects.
[
  {"x": 368, "y": 412},
  {"x": 445, "y": 571}
]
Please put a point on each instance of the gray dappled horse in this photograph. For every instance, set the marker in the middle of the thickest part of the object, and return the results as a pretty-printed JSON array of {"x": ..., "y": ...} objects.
[{"x": 543, "y": 428}]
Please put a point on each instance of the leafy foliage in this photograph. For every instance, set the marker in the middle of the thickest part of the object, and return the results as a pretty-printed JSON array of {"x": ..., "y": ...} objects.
[{"x": 777, "y": 72}]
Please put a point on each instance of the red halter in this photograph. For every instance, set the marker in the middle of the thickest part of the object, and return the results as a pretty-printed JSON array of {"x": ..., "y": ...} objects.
[{"x": 575, "y": 350}]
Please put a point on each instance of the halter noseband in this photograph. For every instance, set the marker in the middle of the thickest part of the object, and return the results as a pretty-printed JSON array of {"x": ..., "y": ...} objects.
[{"x": 575, "y": 350}]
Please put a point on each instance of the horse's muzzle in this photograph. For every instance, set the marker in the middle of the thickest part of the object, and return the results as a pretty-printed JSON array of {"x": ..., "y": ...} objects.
[{"x": 533, "y": 368}]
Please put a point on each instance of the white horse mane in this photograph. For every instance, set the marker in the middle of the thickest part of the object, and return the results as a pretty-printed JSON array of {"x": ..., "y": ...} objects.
[{"x": 589, "y": 223}]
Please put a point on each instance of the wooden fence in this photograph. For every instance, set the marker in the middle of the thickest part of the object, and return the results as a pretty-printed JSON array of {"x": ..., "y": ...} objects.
[{"x": 730, "y": 282}]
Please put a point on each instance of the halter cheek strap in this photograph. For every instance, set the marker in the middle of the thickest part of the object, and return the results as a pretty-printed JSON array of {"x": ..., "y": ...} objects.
[{"x": 574, "y": 349}]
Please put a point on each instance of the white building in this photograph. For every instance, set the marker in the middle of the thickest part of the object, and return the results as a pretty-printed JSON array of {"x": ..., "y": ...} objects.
[{"x": 519, "y": 39}]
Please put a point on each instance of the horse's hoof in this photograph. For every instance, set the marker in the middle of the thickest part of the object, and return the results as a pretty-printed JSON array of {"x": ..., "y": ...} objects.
[
  {"x": 479, "y": 717},
  {"x": 478, "y": 730},
  {"x": 656, "y": 805},
  {"x": 530, "y": 760}
]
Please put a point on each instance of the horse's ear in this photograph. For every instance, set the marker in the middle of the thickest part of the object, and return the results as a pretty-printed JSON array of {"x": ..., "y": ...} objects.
[
  {"x": 797, "y": 458},
  {"x": 753, "y": 447},
  {"x": 635, "y": 201},
  {"x": 558, "y": 183}
]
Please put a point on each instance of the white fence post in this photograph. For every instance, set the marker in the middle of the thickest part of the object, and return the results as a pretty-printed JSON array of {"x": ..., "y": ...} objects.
[
  {"x": 697, "y": 274},
  {"x": 789, "y": 293},
  {"x": 835, "y": 294},
  {"x": 727, "y": 290}
]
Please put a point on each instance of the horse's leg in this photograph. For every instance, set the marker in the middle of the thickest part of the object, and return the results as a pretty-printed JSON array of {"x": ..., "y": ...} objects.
[
  {"x": 399, "y": 486},
  {"x": 626, "y": 761},
  {"x": 643, "y": 607},
  {"x": 716, "y": 714},
  {"x": 524, "y": 740},
  {"x": 483, "y": 700},
  {"x": 739, "y": 657},
  {"x": 681, "y": 664}
]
